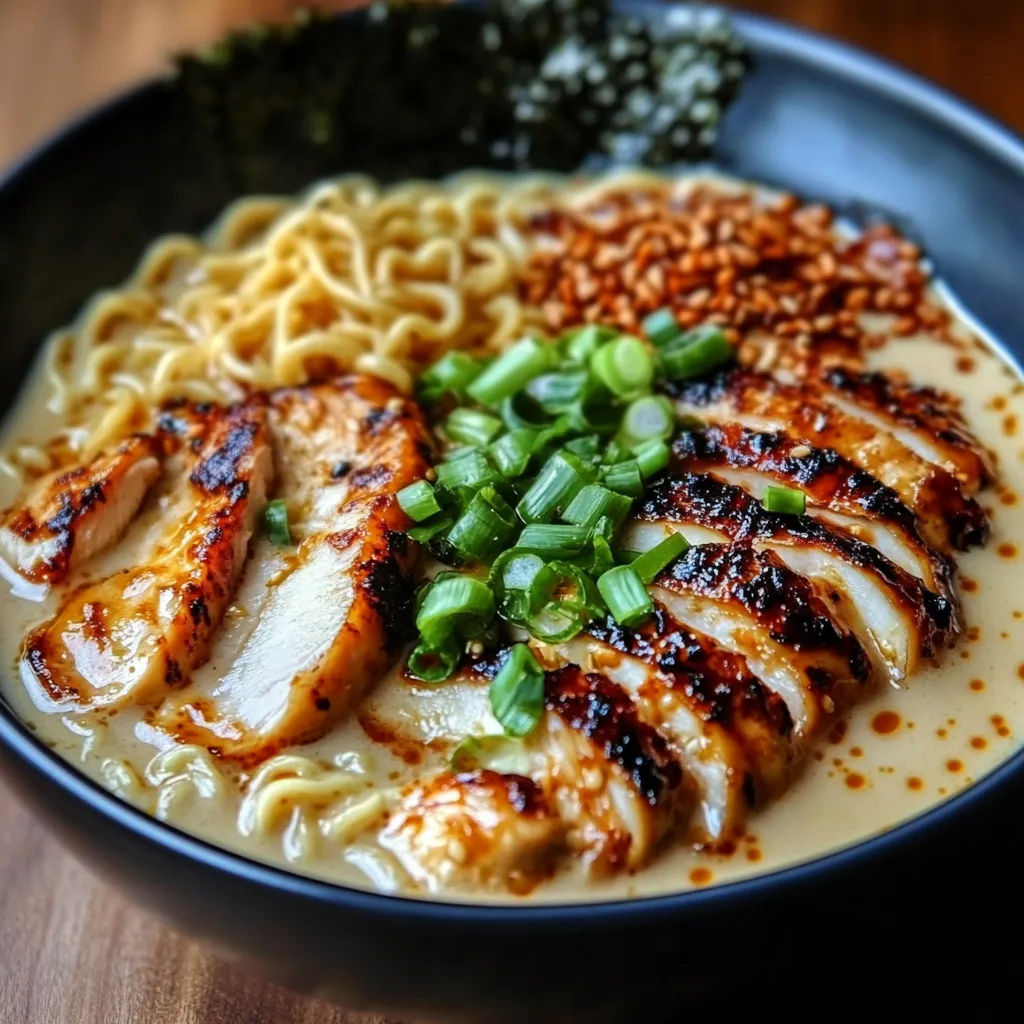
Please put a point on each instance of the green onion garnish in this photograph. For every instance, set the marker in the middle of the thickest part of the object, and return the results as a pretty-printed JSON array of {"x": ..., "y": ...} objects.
[
  {"x": 650, "y": 418},
  {"x": 553, "y": 541},
  {"x": 784, "y": 499},
  {"x": 469, "y": 469},
  {"x": 522, "y": 583},
  {"x": 502, "y": 754},
  {"x": 576, "y": 601},
  {"x": 451, "y": 374},
  {"x": 624, "y": 366},
  {"x": 586, "y": 447},
  {"x": 695, "y": 353},
  {"x": 624, "y": 477},
  {"x": 661, "y": 327},
  {"x": 485, "y": 529},
  {"x": 556, "y": 392},
  {"x": 626, "y": 596},
  {"x": 431, "y": 528},
  {"x": 275, "y": 522},
  {"x": 517, "y": 692},
  {"x": 511, "y": 372},
  {"x": 521, "y": 411},
  {"x": 582, "y": 345},
  {"x": 595, "y": 501},
  {"x": 418, "y": 501},
  {"x": 652, "y": 457},
  {"x": 433, "y": 663},
  {"x": 467, "y": 426},
  {"x": 648, "y": 565},
  {"x": 558, "y": 482},
  {"x": 455, "y": 604},
  {"x": 511, "y": 452}
]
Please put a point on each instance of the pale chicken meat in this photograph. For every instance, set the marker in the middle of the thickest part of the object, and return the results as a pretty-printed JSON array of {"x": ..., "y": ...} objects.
[
  {"x": 65, "y": 518},
  {"x": 948, "y": 514},
  {"x": 474, "y": 830},
  {"x": 732, "y": 735},
  {"x": 895, "y": 617},
  {"x": 837, "y": 491},
  {"x": 337, "y": 616},
  {"x": 129, "y": 638}
]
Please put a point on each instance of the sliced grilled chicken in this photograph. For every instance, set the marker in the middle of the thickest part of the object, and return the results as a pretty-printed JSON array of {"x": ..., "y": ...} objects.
[
  {"x": 838, "y": 492},
  {"x": 752, "y": 604},
  {"x": 130, "y": 637},
  {"x": 948, "y": 516},
  {"x": 926, "y": 421},
  {"x": 893, "y": 614},
  {"x": 475, "y": 829},
  {"x": 69, "y": 516},
  {"x": 612, "y": 777},
  {"x": 334, "y": 621},
  {"x": 732, "y": 736}
]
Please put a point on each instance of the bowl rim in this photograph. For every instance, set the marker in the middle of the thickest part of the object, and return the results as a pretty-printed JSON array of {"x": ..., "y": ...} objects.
[{"x": 836, "y": 58}]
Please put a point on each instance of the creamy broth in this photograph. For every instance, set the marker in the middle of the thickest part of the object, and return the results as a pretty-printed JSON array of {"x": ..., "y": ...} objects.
[{"x": 897, "y": 754}]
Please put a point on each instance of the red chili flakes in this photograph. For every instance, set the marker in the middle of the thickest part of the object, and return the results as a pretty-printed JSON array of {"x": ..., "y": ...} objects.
[{"x": 724, "y": 258}]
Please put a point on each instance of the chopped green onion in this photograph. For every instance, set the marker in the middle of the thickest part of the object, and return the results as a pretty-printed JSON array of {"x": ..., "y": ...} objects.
[
  {"x": 502, "y": 754},
  {"x": 511, "y": 452},
  {"x": 558, "y": 482},
  {"x": 275, "y": 522},
  {"x": 418, "y": 501},
  {"x": 652, "y": 457},
  {"x": 517, "y": 692},
  {"x": 626, "y": 596},
  {"x": 433, "y": 663},
  {"x": 615, "y": 452},
  {"x": 469, "y": 469},
  {"x": 661, "y": 327},
  {"x": 455, "y": 604},
  {"x": 556, "y": 392},
  {"x": 695, "y": 353},
  {"x": 595, "y": 501},
  {"x": 624, "y": 477},
  {"x": 595, "y": 411},
  {"x": 451, "y": 374},
  {"x": 521, "y": 411},
  {"x": 575, "y": 603},
  {"x": 583, "y": 343},
  {"x": 784, "y": 499},
  {"x": 484, "y": 530},
  {"x": 626, "y": 556},
  {"x": 553, "y": 541},
  {"x": 467, "y": 426},
  {"x": 522, "y": 584},
  {"x": 430, "y": 529},
  {"x": 648, "y": 565},
  {"x": 585, "y": 447},
  {"x": 650, "y": 418},
  {"x": 511, "y": 372},
  {"x": 624, "y": 366},
  {"x": 602, "y": 558}
]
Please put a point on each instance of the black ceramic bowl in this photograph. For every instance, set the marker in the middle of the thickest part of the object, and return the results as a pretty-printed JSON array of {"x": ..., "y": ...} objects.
[{"x": 817, "y": 118}]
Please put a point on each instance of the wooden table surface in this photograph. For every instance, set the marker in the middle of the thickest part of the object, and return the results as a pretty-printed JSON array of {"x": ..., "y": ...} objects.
[{"x": 71, "y": 950}]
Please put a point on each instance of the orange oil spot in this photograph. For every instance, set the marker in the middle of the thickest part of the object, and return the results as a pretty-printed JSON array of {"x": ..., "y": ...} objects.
[
  {"x": 941, "y": 733},
  {"x": 977, "y": 685},
  {"x": 855, "y": 780},
  {"x": 1008, "y": 498},
  {"x": 979, "y": 742},
  {"x": 998, "y": 404},
  {"x": 856, "y": 752},
  {"x": 700, "y": 876},
  {"x": 1010, "y": 425},
  {"x": 915, "y": 783},
  {"x": 965, "y": 364},
  {"x": 1007, "y": 550},
  {"x": 886, "y": 722},
  {"x": 753, "y": 854},
  {"x": 1018, "y": 614},
  {"x": 954, "y": 766},
  {"x": 969, "y": 585}
]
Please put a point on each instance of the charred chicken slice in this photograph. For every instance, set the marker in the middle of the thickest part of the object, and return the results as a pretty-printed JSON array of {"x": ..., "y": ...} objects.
[
  {"x": 132, "y": 636},
  {"x": 926, "y": 421},
  {"x": 732, "y": 736},
  {"x": 752, "y": 604},
  {"x": 948, "y": 516},
  {"x": 475, "y": 830},
  {"x": 65, "y": 518},
  {"x": 893, "y": 614},
  {"x": 334, "y": 621},
  {"x": 838, "y": 492}
]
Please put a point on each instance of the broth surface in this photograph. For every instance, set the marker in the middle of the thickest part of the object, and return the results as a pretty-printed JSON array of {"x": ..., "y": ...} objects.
[{"x": 897, "y": 754}]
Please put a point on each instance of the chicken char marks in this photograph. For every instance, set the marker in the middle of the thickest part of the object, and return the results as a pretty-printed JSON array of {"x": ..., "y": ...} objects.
[
  {"x": 892, "y": 612},
  {"x": 949, "y": 516}
]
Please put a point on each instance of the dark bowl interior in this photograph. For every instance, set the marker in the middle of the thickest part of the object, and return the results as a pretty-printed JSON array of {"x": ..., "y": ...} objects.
[{"x": 816, "y": 118}]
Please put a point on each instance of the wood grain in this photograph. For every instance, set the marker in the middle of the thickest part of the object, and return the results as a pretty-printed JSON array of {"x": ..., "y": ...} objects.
[{"x": 71, "y": 950}]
